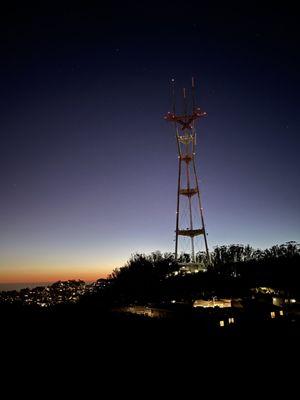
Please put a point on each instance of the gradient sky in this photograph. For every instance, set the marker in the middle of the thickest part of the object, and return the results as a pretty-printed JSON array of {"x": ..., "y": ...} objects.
[{"x": 88, "y": 166}]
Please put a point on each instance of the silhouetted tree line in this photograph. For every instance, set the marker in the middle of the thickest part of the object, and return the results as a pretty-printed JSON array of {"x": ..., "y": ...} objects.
[
  {"x": 232, "y": 271},
  {"x": 278, "y": 266}
]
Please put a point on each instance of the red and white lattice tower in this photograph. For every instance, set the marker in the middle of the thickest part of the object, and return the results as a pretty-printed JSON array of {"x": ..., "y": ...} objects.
[{"x": 190, "y": 227}]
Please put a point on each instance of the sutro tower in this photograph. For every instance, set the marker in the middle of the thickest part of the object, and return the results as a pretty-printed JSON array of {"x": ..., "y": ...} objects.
[{"x": 190, "y": 227}]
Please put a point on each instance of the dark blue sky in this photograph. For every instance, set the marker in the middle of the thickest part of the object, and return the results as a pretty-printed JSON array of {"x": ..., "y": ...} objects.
[{"x": 88, "y": 166}]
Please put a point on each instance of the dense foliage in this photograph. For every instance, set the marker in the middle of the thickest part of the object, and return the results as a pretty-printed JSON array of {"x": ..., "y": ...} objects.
[{"x": 233, "y": 270}]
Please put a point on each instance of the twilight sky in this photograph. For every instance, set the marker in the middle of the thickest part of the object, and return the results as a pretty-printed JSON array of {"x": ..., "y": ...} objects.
[{"x": 88, "y": 166}]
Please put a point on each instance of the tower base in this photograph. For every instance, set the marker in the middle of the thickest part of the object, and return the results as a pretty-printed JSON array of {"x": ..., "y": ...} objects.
[{"x": 192, "y": 268}]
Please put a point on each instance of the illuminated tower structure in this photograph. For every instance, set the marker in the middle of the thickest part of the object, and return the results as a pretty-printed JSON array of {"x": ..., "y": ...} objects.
[{"x": 190, "y": 228}]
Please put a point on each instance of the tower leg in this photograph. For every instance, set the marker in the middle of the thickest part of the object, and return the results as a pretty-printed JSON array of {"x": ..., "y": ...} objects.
[
  {"x": 190, "y": 208},
  {"x": 201, "y": 213},
  {"x": 177, "y": 208}
]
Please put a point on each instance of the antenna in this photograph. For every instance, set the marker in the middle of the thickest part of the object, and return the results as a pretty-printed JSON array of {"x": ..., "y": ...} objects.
[
  {"x": 184, "y": 100},
  {"x": 173, "y": 94},
  {"x": 193, "y": 93}
]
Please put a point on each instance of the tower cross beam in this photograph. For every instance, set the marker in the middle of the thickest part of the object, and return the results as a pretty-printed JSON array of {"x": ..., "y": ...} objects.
[{"x": 185, "y": 120}]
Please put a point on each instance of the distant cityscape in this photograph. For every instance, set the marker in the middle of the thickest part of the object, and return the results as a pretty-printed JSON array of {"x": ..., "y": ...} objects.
[{"x": 61, "y": 292}]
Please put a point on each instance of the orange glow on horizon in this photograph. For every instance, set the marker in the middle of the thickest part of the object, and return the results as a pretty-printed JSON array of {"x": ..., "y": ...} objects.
[
  {"x": 30, "y": 278},
  {"x": 32, "y": 275},
  {"x": 36, "y": 271}
]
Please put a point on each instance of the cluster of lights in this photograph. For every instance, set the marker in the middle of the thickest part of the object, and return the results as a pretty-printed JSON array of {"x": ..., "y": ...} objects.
[{"x": 230, "y": 322}]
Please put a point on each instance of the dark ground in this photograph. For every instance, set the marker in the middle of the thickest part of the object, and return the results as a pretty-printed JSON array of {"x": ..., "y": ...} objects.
[
  {"x": 94, "y": 351},
  {"x": 64, "y": 321}
]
